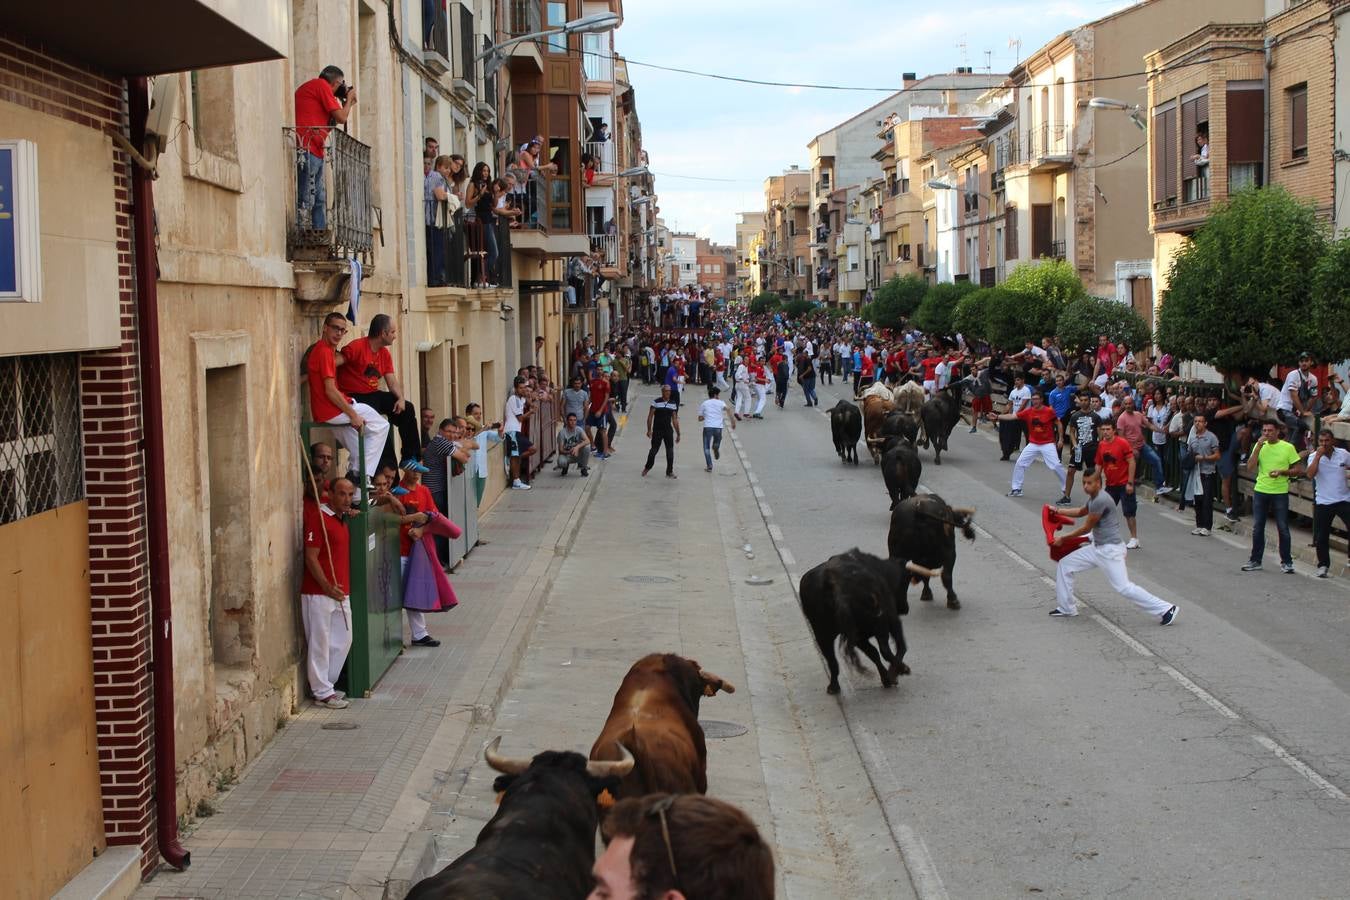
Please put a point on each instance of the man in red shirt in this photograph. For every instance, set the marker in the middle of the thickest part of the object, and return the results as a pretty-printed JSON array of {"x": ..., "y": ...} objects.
[
  {"x": 362, "y": 364},
  {"x": 760, "y": 378},
  {"x": 324, "y": 590},
  {"x": 1044, "y": 442},
  {"x": 597, "y": 414},
  {"x": 417, "y": 502},
  {"x": 329, "y": 405},
  {"x": 1117, "y": 461},
  {"x": 320, "y": 103},
  {"x": 930, "y": 364}
]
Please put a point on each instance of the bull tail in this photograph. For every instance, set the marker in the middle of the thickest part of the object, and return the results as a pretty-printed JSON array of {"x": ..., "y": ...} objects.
[{"x": 967, "y": 530}]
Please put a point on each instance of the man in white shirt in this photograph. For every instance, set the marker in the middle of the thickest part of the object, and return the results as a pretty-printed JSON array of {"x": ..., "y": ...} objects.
[
  {"x": 1010, "y": 431},
  {"x": 1327, "y": 468},
  {"x": 713, "y": 414},
  {"x": 1300, "y": 388},
  {"x": 742, "y": 388},
  {"x": 518, "y": 446}
]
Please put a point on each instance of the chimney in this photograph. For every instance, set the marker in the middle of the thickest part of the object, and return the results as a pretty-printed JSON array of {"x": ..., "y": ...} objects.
[{"x": 909, "y": 79}]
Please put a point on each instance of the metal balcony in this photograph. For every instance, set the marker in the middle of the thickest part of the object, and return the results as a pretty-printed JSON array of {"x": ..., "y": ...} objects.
[{"x": 347, "y": 226}]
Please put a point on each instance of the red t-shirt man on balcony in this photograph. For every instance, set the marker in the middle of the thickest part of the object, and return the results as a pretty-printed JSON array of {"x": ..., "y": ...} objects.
[{"x": 319, "y": 104}]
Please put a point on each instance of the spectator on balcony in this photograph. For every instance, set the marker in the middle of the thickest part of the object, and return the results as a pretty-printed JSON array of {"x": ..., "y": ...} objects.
[
  {"x": 1201, "y": 156},
  {"x": 439, "y": 206},
  {"x": 482, "y": 199},
  {"x": 331, "y": 406},
  {"x": 320, "y": 103},
  {"x": 428, "y": 163},
  {"x": 602, "y": 133},
  {"x": 363, "y": 363},
  {"x": 459, "y": 178},
  {"x": 588, "y": 168}
]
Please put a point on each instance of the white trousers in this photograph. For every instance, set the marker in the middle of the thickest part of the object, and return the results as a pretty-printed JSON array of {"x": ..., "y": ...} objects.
[
  {"x": 328, "y": 635},
  {"x": 721, "y": 381},
  {"x": 377, "y": 432},
  {"x": 761, "y": 395},
  {"x": 1110, "y": 558},
  {"x": 417, "y": 620},
  {"x": 742, "y": 398},
  {"x": 1046, "y": 453}
]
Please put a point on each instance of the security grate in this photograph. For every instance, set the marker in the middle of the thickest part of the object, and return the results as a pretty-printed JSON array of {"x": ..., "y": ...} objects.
[{"x": 41, "y": 454}]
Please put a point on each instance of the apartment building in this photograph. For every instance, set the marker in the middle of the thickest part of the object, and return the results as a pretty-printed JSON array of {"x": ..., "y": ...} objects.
[
  {"x": 748, "y": 226},
  {"x": 635, "y": 205},
  {"x": 681, "y": 262},
  {"x": 715, "y": 268},
  {"x": 1265, "y": 96},
  {"x": 844, "y": 156},
  {"x": 785, "y": 253}
]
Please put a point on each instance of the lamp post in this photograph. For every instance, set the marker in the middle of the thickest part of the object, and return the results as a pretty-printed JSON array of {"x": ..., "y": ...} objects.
[
  {"x": 596, "y": 23},
  {"x": 1134, "y": 110}
]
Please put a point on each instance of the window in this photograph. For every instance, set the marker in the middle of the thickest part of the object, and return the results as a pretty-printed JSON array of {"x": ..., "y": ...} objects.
[
  {"x": 40, "y": 448},
  {"x": 557, "y": 17},
  {"x": 1246, "y": 134},
  {"x": 1297, "y": 99},
  {"x": 801, "y": 266},
  {"x": 1164, "y": 136},
  {"x": 211, "y": 92}
]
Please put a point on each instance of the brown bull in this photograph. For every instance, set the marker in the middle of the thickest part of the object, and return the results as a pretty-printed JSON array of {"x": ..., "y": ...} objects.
[
  {"x": 655, "y": 715},
  {"x": 874, "y": 414}
]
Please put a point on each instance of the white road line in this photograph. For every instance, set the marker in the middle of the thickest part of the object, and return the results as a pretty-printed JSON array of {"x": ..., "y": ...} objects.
[
  {"x": 1048, "y": 580},
  {"x": 759, "y": 492},
  {"x": 754, "y": 479},
  {"x": 1016, "y": 558},
  {"x": 1198, "y": 691},
  {"x": 786, "y": 555},
  {"x": 922, "y": 873},
  {"x": 776, "y": 533},
  {"x": 1300, "y": 767},
  {"x": 764, "y": 510},
  {"x": 1120, "y": 633}
]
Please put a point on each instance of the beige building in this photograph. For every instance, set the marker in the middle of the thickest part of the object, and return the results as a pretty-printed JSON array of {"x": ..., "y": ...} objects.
[
  {"x": 748, "y": 226},
  {"x": 785, "y": 254}
]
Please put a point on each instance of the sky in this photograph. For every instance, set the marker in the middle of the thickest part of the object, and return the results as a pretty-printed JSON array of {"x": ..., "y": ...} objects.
[{"x": 735, "y": 135}]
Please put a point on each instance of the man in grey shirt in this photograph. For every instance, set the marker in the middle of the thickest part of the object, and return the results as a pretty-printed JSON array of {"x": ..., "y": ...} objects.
[
  {"x": 1106, "y": 552},
  {"x": 575, "y": 398},
  {"x": 1204, "y": 447},
  {"x": 573, "y": 447}
]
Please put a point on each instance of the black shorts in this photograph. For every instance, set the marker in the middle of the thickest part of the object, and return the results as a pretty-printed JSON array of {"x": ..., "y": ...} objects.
[
  {"x": 1082, "y": 452},
  {"x": 517, "y": 444},
  {"x": 1128, "y": 503}
]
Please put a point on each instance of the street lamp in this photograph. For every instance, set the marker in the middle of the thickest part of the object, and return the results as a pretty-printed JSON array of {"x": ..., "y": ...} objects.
[
  {"x": 939, "y": 185},
  {"x": 595, "y": 23},
  {"x": 1133, "y": 109}
]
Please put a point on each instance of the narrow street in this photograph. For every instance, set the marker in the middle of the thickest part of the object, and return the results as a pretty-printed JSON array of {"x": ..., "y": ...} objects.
[{"x": 1096, "y": 755}]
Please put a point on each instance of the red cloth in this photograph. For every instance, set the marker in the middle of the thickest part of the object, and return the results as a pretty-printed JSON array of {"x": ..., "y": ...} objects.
[
  {"x": 1118, "y": 470},
  {"x": 334, "y": 553},
  {"x": 1052, "y": 521},
  {"x": 314, "y": 107},
  {"x": 418, "y": 499},
  {"x": 1040, "y": 422},
  {"x": 321, "y": 364},
  {"x": 362, "y": 367}
]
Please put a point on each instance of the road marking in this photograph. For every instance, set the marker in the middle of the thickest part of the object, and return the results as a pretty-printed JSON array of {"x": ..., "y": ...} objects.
[
  {"x": 1120, "y": 633},
  {"x": 923, "y": 873},
  {"x": 786, "y": 555},
  {"x": 1198, "y": 691},
  {"x": 1014, "y": 556},
  {"x": 753, "y": 478},
  {"x": 1300, "y": 767},
  {"x": 775, "y": 532},
  {"x": 759, "y": 492}
]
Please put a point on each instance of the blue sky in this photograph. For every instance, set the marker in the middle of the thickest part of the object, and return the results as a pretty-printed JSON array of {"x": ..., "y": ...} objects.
[{"x": 722, "y": 130}]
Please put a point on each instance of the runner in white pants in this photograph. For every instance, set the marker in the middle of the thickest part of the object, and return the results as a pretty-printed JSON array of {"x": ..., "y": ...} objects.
[
  {"x": 1044, "y": 440},
  {"x": 742, "y": 389},
  {"x": 1106, "y": 552}
]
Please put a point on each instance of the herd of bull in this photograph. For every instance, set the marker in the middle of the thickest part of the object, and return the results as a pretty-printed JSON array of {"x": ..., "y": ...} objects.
[
  {"x": 855, "y": 599},
  {"x": 541, "y": 840}
]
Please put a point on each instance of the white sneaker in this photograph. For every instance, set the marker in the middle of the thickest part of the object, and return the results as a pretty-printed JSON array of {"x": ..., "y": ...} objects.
[
  {"x": 1323, "y": 571},
  {"x": 519, "y": 485},
  {"x": 1163, "y": 490},
  {"x": 1203, "y": 532},
  {"x": 333, "y": 702},
  {"x": 1132, "y": 544},
  {"x": 1197, "y": 531}
]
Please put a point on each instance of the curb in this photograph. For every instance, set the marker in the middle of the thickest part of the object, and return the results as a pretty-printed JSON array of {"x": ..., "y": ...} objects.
[{"x": 417, "y": 859}]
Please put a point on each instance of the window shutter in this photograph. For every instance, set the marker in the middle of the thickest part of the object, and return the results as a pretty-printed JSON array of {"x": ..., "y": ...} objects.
[
  {"x": 1246, "y": 125},
  {"x": 1170, "y": 154},
  {"x": 1189, "y": 121},
  {"x": 1010, "y": 233},
  {"x": 1159, "y": 135},
  {"x": 1298, "y": 122}
]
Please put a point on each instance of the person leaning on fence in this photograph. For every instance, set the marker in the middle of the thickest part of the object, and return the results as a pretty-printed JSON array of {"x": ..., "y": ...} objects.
[
  {"x": 439, "y": 456},
  {"x": 330, "y": 406},
  {"x": 484, "y": 436},
  {"x": 324, "y": 590},
  {"x": 320, "y": 103}
]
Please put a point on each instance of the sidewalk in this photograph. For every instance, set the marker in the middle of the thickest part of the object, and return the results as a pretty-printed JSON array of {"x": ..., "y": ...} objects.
[{"x": 327, "y": 809}]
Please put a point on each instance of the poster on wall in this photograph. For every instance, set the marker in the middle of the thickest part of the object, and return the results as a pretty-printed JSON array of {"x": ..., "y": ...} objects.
[{"x": 20, "y": 263}]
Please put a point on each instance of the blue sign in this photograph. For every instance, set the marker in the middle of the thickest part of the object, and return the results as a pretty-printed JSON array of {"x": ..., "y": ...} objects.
[{"x": 9, "y": 242}]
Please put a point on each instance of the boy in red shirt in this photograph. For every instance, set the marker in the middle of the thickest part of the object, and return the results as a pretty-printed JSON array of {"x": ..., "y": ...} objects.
[
  {"x": 330, "y": 406},
  {"x": 1116, "y": 459},
  {"x": 416, "y": 502},
  {"x": 324, "y": 589},
  {"x": 1044, "y": 442},
  {"x": 761, "y": 382},
  {"x": 597, "y": 415}
]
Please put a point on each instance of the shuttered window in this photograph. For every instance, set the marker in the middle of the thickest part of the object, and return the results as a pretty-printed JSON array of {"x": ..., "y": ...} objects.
[
  {"x": 1297, "y": 98},
  {"x": 1246, "y": 125},
  {"x": 1165, "y": 155},
  {"x": 1010, "y": 232},
  {"x": 1194, "y": 113}
]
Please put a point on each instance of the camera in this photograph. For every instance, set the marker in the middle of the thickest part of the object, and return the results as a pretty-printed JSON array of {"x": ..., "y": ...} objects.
[{"x": 341, "y": 92}]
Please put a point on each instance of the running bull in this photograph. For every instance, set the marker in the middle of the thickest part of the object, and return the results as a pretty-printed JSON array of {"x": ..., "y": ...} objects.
[
  {"x": 846, "y": 427},
  {"x": 923, "y": 529},
  {"x": 541, "y": 841},
  {"x": 940, "y": 415},
  {"x": 901, "y": 468},
  {"x": 855, "y": 599},
  {"x": 655, "y": 714}
]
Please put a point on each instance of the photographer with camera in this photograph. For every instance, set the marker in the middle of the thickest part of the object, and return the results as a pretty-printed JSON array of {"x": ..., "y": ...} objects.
[{"x": 320, "y": 103}]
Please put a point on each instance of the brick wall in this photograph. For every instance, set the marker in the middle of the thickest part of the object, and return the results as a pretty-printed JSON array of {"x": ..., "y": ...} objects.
[
  {"x": 1303, "y": 55},
  {"x": 110, "y": 400}
]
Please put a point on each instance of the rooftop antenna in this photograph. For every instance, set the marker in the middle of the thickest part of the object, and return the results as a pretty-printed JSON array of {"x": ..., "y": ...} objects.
[
  {"x": 961, "y": 45},
  {"x": 1015, "y": 45},
  {"x": 989, "y": 60}
]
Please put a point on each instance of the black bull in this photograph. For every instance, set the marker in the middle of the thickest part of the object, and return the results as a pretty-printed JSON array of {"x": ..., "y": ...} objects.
[
  {"x": 940, "y": 415},
  {"x": 856, "y": 598},
  {"x": 923, "y": 529},
  {"x": 541, "y": 841},
  {"x": 901, "y": 468},
  {"x": 846, "y": 426}
]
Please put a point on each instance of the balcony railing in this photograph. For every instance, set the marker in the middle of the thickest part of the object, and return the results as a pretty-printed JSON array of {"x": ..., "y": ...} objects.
[
  {"x": 606, "y": 246},
  {"x": 1056, "y": 250},
  {"x": 436, "y": 38},
  {"x": 597, "y": 65},
  {"x": 331, "y": 214},
  {"x": 1194, "y": 190},
  {"x": 1047, "y": 141},
  {"x": 603, "y": 154},
  {"x": 524, "y": 18}
]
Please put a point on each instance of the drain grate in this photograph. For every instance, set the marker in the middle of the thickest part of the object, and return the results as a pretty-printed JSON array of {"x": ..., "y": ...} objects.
[
  {"x": 339, "y": 726},
  {"x": 647, "y": 579},
  {"x": 712, "y": 728}
]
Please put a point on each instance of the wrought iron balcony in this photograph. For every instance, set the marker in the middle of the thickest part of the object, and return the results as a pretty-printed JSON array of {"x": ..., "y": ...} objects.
[{"x": 329, "y": 216}]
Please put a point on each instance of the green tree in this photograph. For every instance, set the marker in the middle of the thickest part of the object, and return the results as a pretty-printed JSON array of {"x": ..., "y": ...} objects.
[
  {"x": 766, "y": 302},
  {"x": 1240, "y": 292},
  {"x": 1051, "y": 279},
  {"x": 1013, "y": 318},
  {"x": 1082, "y": 320},
  {"x": 895, "y": 301},
  {"x": 934, "y": 315},
  {"x": 1330, "y": 306},
  {"x": 795, "y": 309},
  {"x": 971, "y": 316}
]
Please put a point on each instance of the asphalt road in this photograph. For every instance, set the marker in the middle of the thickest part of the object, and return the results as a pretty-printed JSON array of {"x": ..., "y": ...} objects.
[{"x": 1102, "y": 755}]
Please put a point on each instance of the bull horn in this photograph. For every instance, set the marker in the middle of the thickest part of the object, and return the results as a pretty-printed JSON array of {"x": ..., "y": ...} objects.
[
  {"x": 601, "y": 768},
  {"x": 964, "y": 511},
  {"x": 507, "y": 765},
  {"x": 718, "y": 680},
  {"x": 920, "y": 570}
]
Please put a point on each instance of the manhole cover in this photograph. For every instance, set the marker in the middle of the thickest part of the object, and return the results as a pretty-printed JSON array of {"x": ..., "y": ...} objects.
[
  {"x": 339, "y": 726},
  {"x": 758, "y": 579},
  {"x": 715, "y": 729},
  {"x": 647, "y": 579},
  {"x": 730, "y": 474}
]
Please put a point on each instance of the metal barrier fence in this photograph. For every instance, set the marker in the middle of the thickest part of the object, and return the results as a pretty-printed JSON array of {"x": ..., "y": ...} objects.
[{"x": 541, "y": 427}]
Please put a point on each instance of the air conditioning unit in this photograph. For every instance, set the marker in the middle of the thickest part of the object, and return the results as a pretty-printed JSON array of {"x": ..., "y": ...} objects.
[{"x": 163, "y": 106}]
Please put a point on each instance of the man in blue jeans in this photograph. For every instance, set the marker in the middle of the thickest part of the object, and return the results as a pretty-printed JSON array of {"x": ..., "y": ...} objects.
[
  {"x": 713, "y": 413},
  {"x": 1273, "y": 460},
  {"x": 320, "y": 103}
]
